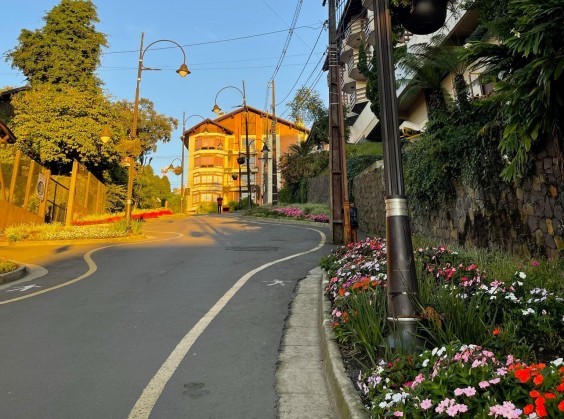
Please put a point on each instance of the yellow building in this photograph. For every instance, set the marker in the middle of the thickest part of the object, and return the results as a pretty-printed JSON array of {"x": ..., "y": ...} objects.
[{"x": 217, "y": 157}]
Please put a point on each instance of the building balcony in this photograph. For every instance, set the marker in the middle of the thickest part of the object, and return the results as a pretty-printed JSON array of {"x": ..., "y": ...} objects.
[
  {"x": 355, "y": 32},
  {"x": 369, "y": 32},
  {"x": 352, "y": 67}
]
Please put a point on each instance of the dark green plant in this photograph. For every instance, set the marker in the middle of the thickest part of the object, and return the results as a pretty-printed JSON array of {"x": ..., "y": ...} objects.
[{"x": 524, "y": 57}]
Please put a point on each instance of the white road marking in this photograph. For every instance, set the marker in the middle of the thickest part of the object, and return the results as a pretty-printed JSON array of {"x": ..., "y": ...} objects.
[
  {"x": 92, "y": 267},
  {"x": 275, "y": 282},
  {"x": 24, "y": 288},
  {"x": 151, "y": 393}
]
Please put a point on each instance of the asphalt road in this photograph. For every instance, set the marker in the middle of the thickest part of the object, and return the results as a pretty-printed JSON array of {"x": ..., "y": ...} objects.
[{"x": 185, "y": 324}]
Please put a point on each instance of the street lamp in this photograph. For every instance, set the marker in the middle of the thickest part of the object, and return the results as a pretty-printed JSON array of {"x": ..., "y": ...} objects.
[
  {"x": 184, "y": 120},
  {"x": 216, "y": 109},
  {"x": 402, "y": 278},
  {"x": 183, "y": 71}
]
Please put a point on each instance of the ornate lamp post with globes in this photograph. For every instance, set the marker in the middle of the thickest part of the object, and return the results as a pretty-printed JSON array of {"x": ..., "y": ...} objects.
[{"x": 183, "y": 71}]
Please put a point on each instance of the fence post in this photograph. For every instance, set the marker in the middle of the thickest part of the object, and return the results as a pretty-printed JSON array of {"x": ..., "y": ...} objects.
[
  {"x": 72, "y": 193},
  {"x": 14, "y": 175},
  {"x": 43, "y": 204},
  {"x": 29, "y": 184}
]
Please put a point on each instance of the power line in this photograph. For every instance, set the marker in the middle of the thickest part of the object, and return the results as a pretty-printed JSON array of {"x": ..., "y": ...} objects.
[
  {"x": 288, "y": 38},
  {"x": 303, "y": 69},
  {"x": 217, "y": 41}
]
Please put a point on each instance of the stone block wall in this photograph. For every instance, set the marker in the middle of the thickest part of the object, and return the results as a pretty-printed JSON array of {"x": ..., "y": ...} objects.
[
  {"x": 318, "y": 190},
  {"x": 526, "y": 218}
]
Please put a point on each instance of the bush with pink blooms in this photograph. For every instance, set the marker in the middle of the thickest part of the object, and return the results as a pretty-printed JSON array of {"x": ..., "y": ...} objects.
[
  {"x": 306, "y": 212},
  {"x": 491, "y": 335}
]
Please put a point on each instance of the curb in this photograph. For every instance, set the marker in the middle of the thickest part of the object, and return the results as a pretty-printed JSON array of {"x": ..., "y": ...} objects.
[
  {"x": 13, "y": 275},
  {"x": 346, "y": 398}
]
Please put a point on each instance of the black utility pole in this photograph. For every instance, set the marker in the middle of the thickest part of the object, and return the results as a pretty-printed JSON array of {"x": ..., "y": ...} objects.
[{"x": 402, "y": 278}]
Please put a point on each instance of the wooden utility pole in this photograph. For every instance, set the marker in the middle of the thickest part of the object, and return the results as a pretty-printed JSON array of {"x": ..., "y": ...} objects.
[
  {"x": 274, "y": 165},
  {"x": 340, "y": 228}
]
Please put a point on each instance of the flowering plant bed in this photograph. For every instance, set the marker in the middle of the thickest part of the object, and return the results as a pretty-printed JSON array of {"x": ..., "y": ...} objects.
[
  {"x": 487, "y": 347},
  {"x": 305, "y": 214},
  {"x": 118, "y": 217}
]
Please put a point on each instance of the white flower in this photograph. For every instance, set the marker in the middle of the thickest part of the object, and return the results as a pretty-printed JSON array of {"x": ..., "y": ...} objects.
[
  {"x": 522, "y": 275},
  {"x": 528, "y": 311},
  {"x": 558, "y": 362},
  {"x": 425, "y": 363}
]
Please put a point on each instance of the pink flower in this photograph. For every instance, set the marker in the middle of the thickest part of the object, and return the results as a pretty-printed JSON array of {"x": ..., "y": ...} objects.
[
  {"x": 397, "y": 413},
  {"x": 535, "y": 263},
  {"x": 483, "y": 384},
  {"x": 426, "y": 404}
]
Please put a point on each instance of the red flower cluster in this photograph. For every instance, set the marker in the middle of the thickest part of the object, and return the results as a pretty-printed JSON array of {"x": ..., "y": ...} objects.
[{"x": 533, "y": 374}]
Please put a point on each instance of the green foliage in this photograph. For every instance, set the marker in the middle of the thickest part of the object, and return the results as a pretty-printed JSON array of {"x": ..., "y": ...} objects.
[
  {"x": 58, "y": 124},
  {"x": 152, "y": 126},
  {"x": 66, "y": 51},
  {"x": 307, "y": 107},
  {"x": 297, "y": 166},
  {"x": 285, "y": 195},
  {"x": 7, "y": 265},
  {"x": 526, "y": 63},
  {"x": 206, "y": 208},
  {"x": 150, "y": 190}
]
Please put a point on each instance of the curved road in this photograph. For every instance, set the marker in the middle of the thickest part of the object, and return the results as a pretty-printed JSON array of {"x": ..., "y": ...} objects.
[{"x": 185, "y": 324}]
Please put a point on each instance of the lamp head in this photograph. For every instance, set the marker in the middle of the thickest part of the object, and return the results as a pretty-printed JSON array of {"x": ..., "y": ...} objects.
[
  {"x": 265, "y": 148},
  {"x": 105, "y": 135},
  {"x": 216, "y": 109},
  {"x": 170, "y": 168},
  {"x": 183, "y": 70}
]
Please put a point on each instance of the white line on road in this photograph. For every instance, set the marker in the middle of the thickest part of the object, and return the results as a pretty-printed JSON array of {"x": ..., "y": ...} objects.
[
  {"x": 151, "y": 393},
  {"x": 92, "y": 267}
]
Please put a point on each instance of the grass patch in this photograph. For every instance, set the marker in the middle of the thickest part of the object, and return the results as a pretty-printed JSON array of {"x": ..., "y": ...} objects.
[
  {"x": 31, "y": 232},
  {"x": 7, "y": 265}
]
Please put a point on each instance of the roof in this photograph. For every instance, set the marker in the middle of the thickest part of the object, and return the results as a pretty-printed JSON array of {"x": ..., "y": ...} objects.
[
  {"x": 6, "y": 136},
  {"x": 265, "y": 115},
  {"x": 7, "y": 94},
  {"x": 206, "y": 122}
]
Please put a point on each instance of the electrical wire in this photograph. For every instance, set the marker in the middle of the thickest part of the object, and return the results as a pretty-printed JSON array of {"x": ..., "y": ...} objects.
[
  {"x": 304, "y": 67},
  {"x": 288, "y": 38}
]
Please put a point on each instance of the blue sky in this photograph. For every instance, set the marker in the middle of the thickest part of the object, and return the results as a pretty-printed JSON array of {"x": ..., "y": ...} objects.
[{"x": 226, "y": 42}]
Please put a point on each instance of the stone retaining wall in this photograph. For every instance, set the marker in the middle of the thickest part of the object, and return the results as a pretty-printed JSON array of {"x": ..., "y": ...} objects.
[{"x": 526, "y": 219}]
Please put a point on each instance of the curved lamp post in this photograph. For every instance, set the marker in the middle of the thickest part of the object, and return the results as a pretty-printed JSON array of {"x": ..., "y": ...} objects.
[
  {"x": 184, "y": 120},
  {"x": 216, "y": 109},
  {"x": 183, "y": 71},
  {"x": 402, "y": 277}
]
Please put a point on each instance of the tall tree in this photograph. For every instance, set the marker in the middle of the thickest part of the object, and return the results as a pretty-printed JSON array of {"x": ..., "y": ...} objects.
[
  {"x": 308, "y": 108},
  {"x": 65, "y": 51}
]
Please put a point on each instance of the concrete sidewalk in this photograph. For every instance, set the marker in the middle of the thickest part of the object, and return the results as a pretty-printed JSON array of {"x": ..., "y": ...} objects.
[{"x": 311, "y": 378}]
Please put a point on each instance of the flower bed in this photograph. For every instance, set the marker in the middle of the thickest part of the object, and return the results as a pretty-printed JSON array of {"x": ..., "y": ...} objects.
[
  {"x": 472, "y": 332},
  {"x": 113, "y": 218},
  {"x": 301, "y": 215}
]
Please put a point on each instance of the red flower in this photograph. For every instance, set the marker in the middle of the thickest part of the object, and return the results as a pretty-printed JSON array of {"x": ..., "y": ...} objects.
[
  {"x": 534, "y": 394},
  {"x": 561, "y": 406},
  {"x": 523, "y": 375},
  {"x": 495, "y": 331},
  {"x": 539, "y": 401},
  {"x": 538, "y": 380},
  {"x": 549, "y": 395},
  {"x": 560, "y": 387},
  {"x": 541, "y": 411},
  {"x": 528, "y": 409}
]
